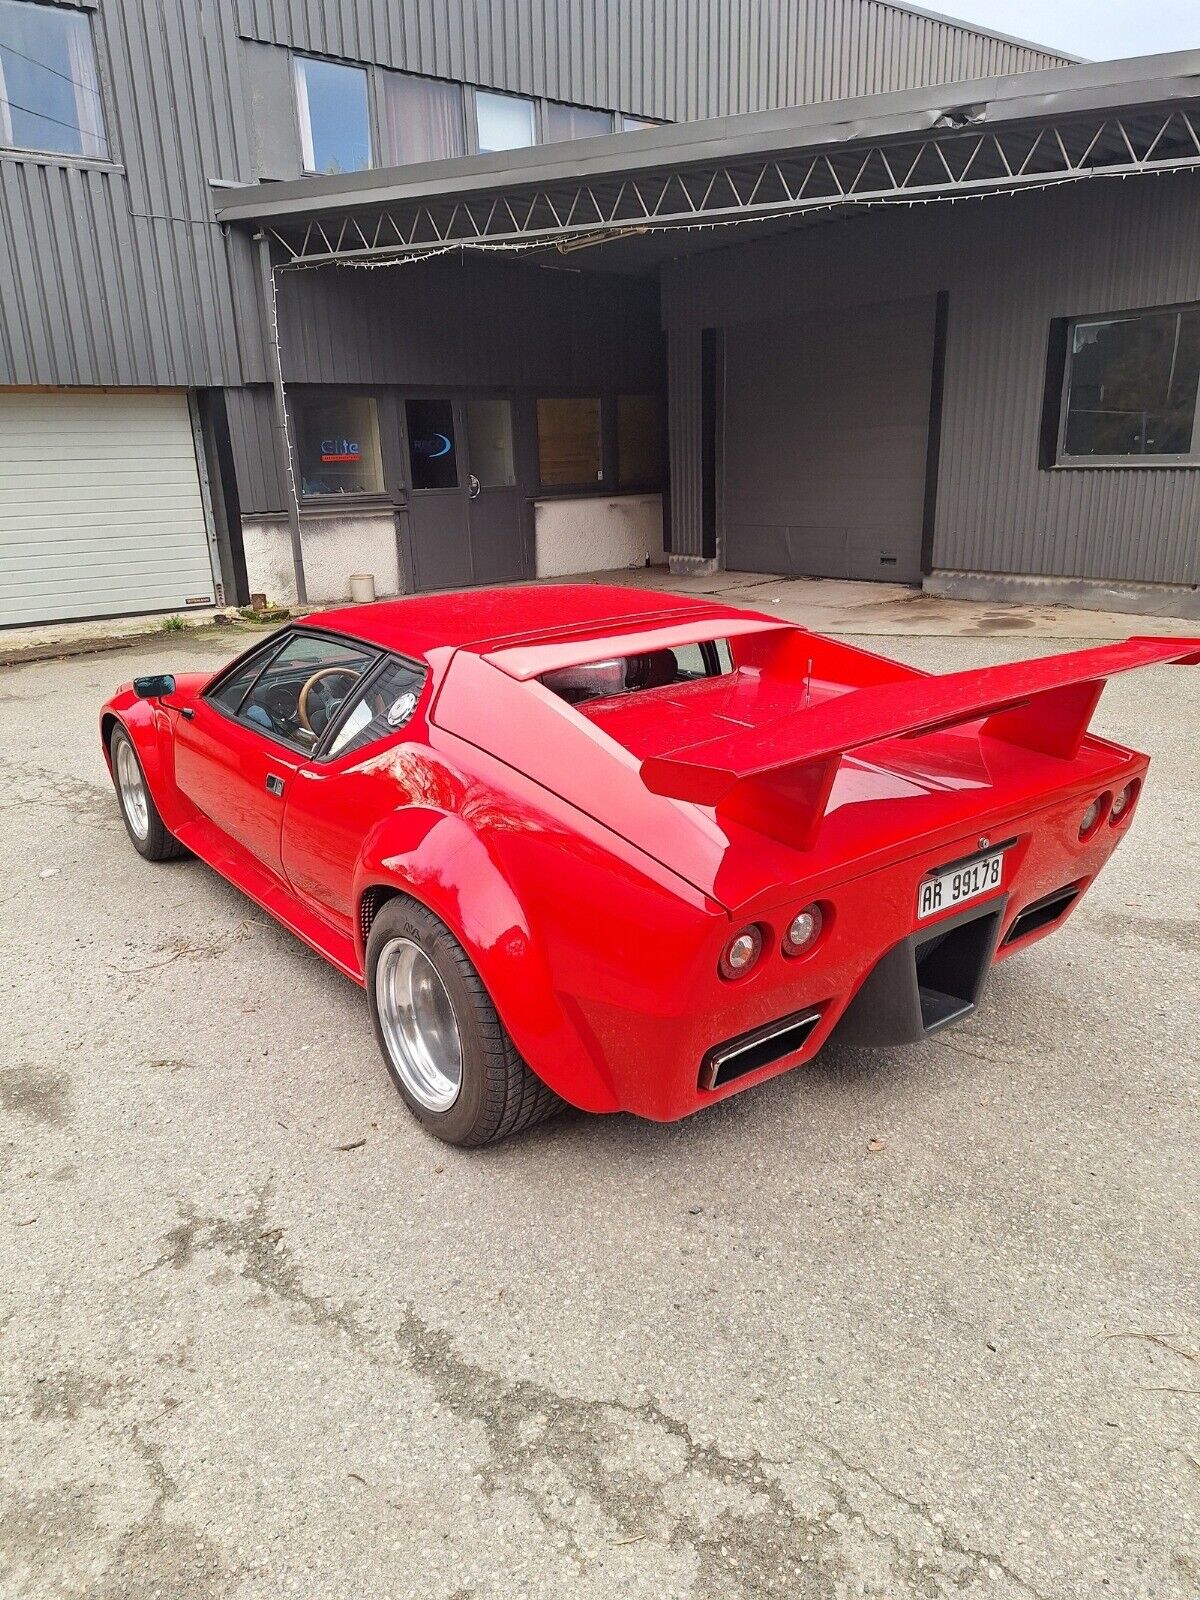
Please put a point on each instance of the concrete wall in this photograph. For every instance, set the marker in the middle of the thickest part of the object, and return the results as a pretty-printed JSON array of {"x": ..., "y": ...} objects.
[
  {"x": 335, "y": 545},
  {"x": 597, "y": 534}
]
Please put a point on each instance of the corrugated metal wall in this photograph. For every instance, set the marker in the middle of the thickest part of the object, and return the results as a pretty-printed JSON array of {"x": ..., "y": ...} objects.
[
  {"x": 469, "y": 321},
  {"x": 1010, "y": 265},
  {"x": 685, "y": 429},
  {"x": 674, "y": 59},
  {"x": 116, "y": 273}
]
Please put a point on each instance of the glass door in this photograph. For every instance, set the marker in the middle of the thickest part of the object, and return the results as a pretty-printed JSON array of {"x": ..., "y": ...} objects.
[{"x": 438, "y": 493}]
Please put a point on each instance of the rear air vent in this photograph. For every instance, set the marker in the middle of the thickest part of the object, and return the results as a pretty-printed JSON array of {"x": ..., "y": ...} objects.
[
  {"x": 727, "y": 1062},
  {"x": 951, "y": 966},
  {"x": 1042, "y": 914}
]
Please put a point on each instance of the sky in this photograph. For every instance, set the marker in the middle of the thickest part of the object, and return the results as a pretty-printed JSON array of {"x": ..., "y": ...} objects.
[{"x": 1099, "y": 29}]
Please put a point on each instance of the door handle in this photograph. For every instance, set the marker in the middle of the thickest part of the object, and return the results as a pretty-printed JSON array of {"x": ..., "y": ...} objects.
[
  {"x": 473, "y": 486},
  {"x": 274, "y": 784}
]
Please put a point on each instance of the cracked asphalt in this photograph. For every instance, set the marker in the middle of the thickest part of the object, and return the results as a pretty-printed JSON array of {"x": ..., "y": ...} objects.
[{"x": 920, "y": 1323}]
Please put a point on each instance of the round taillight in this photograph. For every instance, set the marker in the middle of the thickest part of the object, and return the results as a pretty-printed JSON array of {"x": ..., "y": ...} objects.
[
  {"x": 741, "y": 953},
  {"x": 1121, "y": 805},
  {"x": 803, "y": 931},
  {"x": 1093, "y": 816}
]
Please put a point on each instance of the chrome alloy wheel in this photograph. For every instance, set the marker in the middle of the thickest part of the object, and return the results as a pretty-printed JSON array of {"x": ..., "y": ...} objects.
[
  {"x": 132, "y": 789},
  {"x": 419, "y": 1027}
]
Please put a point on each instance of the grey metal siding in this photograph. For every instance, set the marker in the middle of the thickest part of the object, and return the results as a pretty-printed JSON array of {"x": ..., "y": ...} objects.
[
  {"x": 261, "y": 476},
  {"x": 469, "y": 322},
  {"x": 671, "y": 59},
  {"x": 1010, "y": 265},
  {"x": 685, "y": 427},
  {"x": 116, "y": 273}
]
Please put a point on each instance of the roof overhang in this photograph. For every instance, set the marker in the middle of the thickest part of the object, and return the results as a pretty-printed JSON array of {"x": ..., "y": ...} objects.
[{"x": 986, "y": 135}]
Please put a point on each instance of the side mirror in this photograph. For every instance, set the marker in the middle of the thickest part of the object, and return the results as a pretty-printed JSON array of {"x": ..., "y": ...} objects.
[{"x": 154, "y": 686}]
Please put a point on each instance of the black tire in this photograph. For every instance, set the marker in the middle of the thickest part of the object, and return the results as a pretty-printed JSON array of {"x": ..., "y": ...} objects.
[
  {"x": 498, "y": 1094},
  {"x": 156, "y": 844}
]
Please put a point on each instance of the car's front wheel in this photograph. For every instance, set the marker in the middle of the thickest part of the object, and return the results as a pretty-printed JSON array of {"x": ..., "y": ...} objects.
[
  {"x": 445, "y": 1047},
  {"x": 145, "y": 827}
]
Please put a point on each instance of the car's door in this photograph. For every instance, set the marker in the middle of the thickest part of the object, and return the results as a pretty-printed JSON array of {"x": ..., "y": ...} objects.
[
  {"x": 366, "y": 767},
  {"x": 237, "y": 756}
]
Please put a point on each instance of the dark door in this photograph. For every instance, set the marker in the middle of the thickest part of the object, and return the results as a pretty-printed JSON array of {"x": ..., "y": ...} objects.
[
  {"x": 237, "y": 757},
  {"x": 437, "y": 506},
  {"x": 494, "y": 500},
  {"x": 237, "y": 778},
  {"x": 465, "y": 522},
  {"x": 826, "y": 429}
]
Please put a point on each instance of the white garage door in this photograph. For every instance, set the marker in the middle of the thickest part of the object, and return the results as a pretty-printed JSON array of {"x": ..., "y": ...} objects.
[{"x": 101, "y": 512}]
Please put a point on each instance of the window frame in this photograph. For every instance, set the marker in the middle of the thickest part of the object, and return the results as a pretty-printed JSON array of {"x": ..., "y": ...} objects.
[
  {"x": 1138, "y": 463},
  {"x": 537, "y": 119},
  {"x": 89, "y": 10},
  {"x": 328, "y": 756},
  {"x": 368, "y": 72},
  {"x": 608, "y": 484},
  {"x": 381, "y": 397},
  {"x": 377, "y": 660}
]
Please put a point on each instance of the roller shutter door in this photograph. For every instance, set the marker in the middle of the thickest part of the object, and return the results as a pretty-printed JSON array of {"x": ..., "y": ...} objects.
[
  {"x": 826, "y": 438},
  {"x": 101, "y": 512}
]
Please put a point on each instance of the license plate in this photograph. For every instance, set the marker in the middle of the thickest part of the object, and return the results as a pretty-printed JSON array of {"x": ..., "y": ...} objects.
[{"x": 956, "y": 885}]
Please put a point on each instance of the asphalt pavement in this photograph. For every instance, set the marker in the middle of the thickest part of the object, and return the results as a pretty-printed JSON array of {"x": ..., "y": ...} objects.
[{"x": 912, "y": 1323}]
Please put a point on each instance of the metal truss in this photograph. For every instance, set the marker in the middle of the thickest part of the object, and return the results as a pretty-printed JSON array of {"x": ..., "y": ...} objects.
[{"x": 955, "y": 159}]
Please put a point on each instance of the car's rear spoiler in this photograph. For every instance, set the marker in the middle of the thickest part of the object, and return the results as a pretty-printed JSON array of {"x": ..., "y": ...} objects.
[{"x": 777, "y": 777}]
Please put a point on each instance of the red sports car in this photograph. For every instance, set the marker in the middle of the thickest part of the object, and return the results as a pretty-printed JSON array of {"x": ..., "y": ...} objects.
[{"x": 628, "y": 850}]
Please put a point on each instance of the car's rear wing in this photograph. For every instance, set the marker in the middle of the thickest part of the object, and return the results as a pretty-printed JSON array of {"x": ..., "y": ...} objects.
[{"x": 777, "y": 777}]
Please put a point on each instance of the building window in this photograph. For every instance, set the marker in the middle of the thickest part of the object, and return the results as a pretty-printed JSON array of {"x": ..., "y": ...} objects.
[
  {"x": 633, "y": 124},
  {"x": 570, "y": 449},
  {"x": 640, "y": 441},
  {"x": 504, "y": 121},
  {"x": 576, "y": 122},
  {"x": 1131, "y": 388},
  {"x": 490, "y": 441},
  {"x": 335, "y": 127},
  {"x": 421, "y": 119},
  {"x": 432, "y": 443},
  {"x": 337, "y": 443},
  {"x": 49, "y": 88}
]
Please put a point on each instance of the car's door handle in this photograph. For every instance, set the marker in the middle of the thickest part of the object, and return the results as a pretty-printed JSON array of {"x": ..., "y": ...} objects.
[{"x": 274, "y": 784}]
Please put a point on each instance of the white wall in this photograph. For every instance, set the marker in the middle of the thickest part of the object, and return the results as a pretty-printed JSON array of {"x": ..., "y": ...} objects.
[
  {"x": 597, "y": 533},
  {"x": 335, "y": 545}
]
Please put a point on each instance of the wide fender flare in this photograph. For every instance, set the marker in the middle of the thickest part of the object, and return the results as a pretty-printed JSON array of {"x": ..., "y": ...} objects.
[
  {"x": 149, "y": 727},
  {"x": 438, "y": 859}
]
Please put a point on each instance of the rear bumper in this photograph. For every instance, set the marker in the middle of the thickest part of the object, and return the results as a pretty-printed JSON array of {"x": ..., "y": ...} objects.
[{"x": 877, "y": 976}]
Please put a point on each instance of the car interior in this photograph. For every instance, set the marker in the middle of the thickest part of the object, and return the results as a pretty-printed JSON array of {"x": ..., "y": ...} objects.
[{"x": 655, "y": 669}]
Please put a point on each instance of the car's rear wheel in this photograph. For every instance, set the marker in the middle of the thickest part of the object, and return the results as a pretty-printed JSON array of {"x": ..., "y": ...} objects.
[
  {"x": 445, "y": 1047},
  {"x": 143, "y": 824}
]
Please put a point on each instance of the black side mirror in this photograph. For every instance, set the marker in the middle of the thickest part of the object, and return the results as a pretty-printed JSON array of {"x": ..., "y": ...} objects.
[{"x": 154, "y": 686}]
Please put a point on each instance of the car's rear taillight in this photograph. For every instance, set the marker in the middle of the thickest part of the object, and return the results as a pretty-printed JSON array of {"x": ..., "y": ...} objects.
[
  {"x": 1094, "y": 815},
  {"x": 1123, "y": 803},
  {"x": 741, "y": 954}
]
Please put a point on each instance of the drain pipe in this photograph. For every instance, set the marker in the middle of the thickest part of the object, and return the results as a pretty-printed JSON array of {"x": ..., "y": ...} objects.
[{"x": 283, "y": 443}]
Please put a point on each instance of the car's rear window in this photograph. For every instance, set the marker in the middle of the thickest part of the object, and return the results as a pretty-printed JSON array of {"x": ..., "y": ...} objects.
[{"x": 651, "y": 669}]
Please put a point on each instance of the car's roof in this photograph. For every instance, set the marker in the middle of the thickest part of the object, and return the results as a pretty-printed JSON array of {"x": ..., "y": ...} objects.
[{"x": 481, "y": 618}]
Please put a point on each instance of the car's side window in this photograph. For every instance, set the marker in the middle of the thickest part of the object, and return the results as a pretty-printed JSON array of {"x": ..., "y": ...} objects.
[
  {"x": 231, "y": 690},
  {"x": 385, "y": 704},
  {"x": 302, "y": 688}
]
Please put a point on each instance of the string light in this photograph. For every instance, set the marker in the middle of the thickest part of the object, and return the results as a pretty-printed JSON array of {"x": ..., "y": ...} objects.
[{"x": 609, "y": 233}]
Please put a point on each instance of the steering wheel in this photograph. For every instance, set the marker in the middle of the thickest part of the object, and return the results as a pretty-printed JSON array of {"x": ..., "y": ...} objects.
[{"x": 319, "y": 699}]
